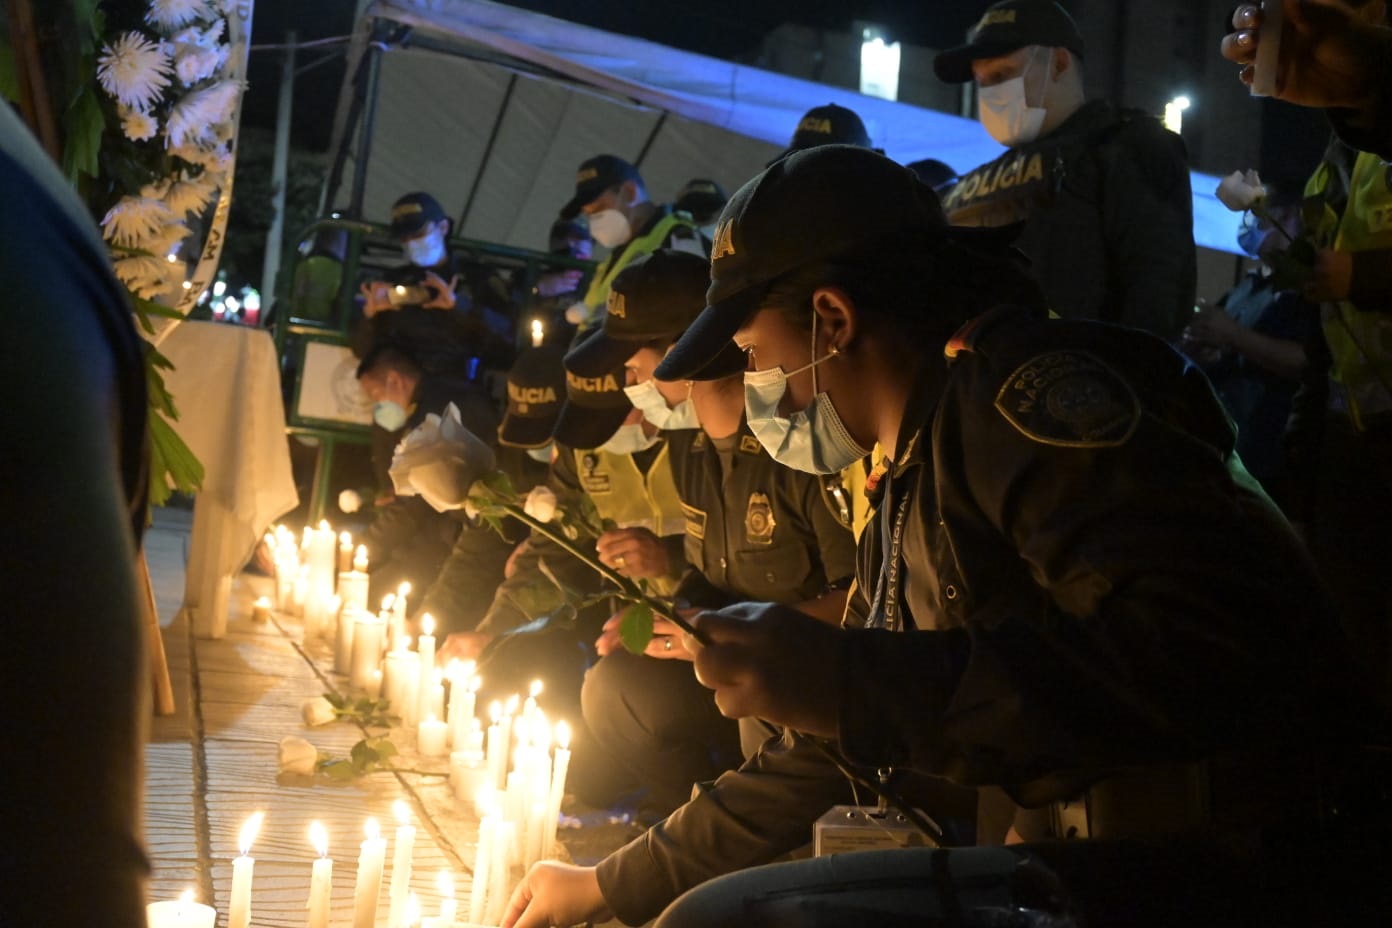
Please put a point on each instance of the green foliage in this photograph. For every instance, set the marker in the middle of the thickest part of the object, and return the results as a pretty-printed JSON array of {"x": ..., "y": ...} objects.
[
  {"x": 367, "y": 755},
  {"x": 372, "y": 713},
  {"x": 636, "y": 627}
]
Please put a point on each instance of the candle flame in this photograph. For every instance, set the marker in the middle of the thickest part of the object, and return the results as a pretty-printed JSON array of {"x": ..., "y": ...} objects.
[
  {"x": 413, "y": 910},
  {"x": 511, "y": 707},
  {"x": 563, "y": 735},
  {"x": 263, "y": 602},
  {"x": 319, "y": 837},
  {"x": 324, "y": 526},
  {"x": 453, "y": 670},
  {"x": 345, "y": 539},
  {"x": 405, "y": 589},
  {"x": 476, "y": 683},
  {"x": 495, "y": 711},
  {"x": 388, "y": 601},
  {"x": 428, "y": 624},
  {"x": 445, "y": 883},
  {"x": 371, "y": 830},
  {"x": 185, "y": 900},
  {"x": 402, "y": 812},
  {"x": 535, "y": 689},
  {"x": 249, "y": 832}
]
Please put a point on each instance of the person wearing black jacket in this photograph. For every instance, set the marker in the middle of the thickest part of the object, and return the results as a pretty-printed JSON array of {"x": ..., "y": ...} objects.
[{"x": 1074, "y": 603}]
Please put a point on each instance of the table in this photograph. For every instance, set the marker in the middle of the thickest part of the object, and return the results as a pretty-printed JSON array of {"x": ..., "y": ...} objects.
[{"x": 226, "y": 386}]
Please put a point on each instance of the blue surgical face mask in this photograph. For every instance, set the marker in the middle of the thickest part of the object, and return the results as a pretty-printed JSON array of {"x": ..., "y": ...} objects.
[
  {"x": 1250, "y": 235},
  {"x": 426, "y": 251},
  {"x": 389, "y": 415},
  {"x": 629, "y": 439},
  {"x": 646, "y": 397},
  {"x": 542, "y": 454},
  {"x": 813, "y": 440}
]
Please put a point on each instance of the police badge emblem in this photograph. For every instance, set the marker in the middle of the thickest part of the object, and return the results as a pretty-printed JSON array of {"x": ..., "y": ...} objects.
[{"x": 758, "y": 520}]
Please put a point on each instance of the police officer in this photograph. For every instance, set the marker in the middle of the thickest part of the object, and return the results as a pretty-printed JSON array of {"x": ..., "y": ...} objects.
[
  {"x": 754, "y": 531},
  {"x": 1077, "y": 602},
  {"x": 1103, "y": 193},
  {"x": 611, "y": 195}
]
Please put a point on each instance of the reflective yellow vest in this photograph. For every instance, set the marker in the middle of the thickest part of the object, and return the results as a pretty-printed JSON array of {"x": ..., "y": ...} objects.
[
  {"x": 598, "y": 293},
  {"x": 632, "y": 499},
  {"x": 1360, "y": 342}
]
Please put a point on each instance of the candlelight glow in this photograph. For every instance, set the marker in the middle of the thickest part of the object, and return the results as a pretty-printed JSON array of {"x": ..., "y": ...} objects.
[
  {"x": 371, "y": 830},
  {"x": 495, "y": 712},
  {"x": 345, "y": 539},
  {"x": 402, "y": 812},
  {"x": 249, "y": 832},
  {"x": 428, "y": 624},
  {"x": 476, "y": 684},
  {"x": 263, "y": 602},
  {"x": 388, "y": 601},
  {"x": 512, "y": 703},
  {"x": 413, "y": 911},
  {"x": 324, "y": 526},
  {"x": 319, "y": 837},
  {"x": 404, "y": 590},
  {"x": 563, "y": 735},
  {"x": 445, "y": 883},
  {"x": 535, "y": 689},
  {"x": 453, "y": 670},
  {"x": 186, "y": 900}
]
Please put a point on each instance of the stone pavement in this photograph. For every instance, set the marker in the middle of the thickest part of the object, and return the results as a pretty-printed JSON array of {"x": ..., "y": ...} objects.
[{"x": 214, "y": 763}]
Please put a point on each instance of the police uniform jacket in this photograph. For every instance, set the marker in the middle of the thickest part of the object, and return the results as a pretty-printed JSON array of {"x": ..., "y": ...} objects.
[
  {"x": 756, "y": 531},
  {"x": 1082, "y": 581},
  {"x": 629, "y": 491},
  {"x": 1107, "y": 213}
]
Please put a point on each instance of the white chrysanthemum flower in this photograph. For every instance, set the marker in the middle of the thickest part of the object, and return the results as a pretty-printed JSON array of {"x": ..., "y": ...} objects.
[
  {"x": 197, "y": 64},
  {"x": 133, "y": 221},
  {"x": 145, "y": 275},
  {"x": 190, "y": 195},
  {"x": 171, "y": 14},
  {"x": 195, "y": 113},
  {"x": 134, "y": 70},
  {"x": 138, "y": 126},
  {"x": 157, "y": 189},
  {"x": 168, "y": 239}
]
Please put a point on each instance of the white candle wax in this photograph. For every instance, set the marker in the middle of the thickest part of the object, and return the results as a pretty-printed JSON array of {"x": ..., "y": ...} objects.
[
  {"x": 261, "y": 609},
  {"x": 367, "y": 649},
  {"x": 360, "y": 560},
  {"x": 432, "y": 736},
  {"x": 425, "y": 683},
  {"x": 559, "y": 767},
  {"x": 437, "y": 697},
  {"x": 397, "y": 671},
  {"x": 180, "y": 913},
  {"x": 352, "y": 589},
  {"x": 369, "y": 881},
  {"x": 467, "y": 774},
  {"x": 345, "y": 552},
  {"x": 239, "y": 901},
  {"x": 500, "y": 871},
  {"x": 483, "y": 862},
  {"x": 320, "y": 879},
  {"x": 497, "y": 749},
  {"x": 401, "y": 864},
  {"x": 343, "y": 641}
]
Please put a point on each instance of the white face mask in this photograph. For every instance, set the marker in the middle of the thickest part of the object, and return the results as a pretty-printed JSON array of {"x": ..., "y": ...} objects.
[
  {"x": 610, "y": 228},
  {"x": 1006, "y": 114},
  {"x": 649, "y": 399},
  {"x": 542, "y": 454},
  {"x": 629, "y": 439},
  {"x": 426, "y": 251},
  {"x": 813, "y": 440}
]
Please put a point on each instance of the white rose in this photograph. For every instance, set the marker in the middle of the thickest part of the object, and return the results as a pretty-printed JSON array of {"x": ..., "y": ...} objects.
[
  {"x": 578, "y": 313},
  {"x": 297, "y": 755},
  {"x": 349, "y": 501},
  {"x": 1240, "y": 190},
  {"x": 317, "y": 711},
  {"x": 540, "y": 504}
]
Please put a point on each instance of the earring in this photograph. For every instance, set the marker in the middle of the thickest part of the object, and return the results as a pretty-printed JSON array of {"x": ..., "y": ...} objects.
[{"x": 834, "y": 350}]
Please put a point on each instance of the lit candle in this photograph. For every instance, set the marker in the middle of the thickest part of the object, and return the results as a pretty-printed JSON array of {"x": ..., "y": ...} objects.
[
  {"x": 461, "y": 700},
  {"x": 558, "y": 776},
  {"x": 432, "y": 737},
  {"x": 345, "y": 552},
  {"x": 529, "y": 708},
  {"x": 483, "y": 863},
  {"x": 366, "y": 649},
  {"x": 497, "y": 750},
  {"x": 261, "y": 609},
  {"x": 321, "y": 878},
  {"x": 360, "y": 559},
  {"x": 401, "y": 863},
  {"x": 399, "y": 670},
  {"x": 538, "y": 333},
  {"x": 437, "y": 693},
  {"x": 504, "y": 845},
  {"x": 180, "y": 913},
  {"x": 300, "y": 590},
  {"x": 448, "y": 907},
  {"x": 403, "y": 593},
  {"x": 343, "y": 641},
  {"x": 239, "y": 903},
  {"x": 389, "y": 617},
  {"x": 467, "y": 774},
  {"x": 425, "y": 646},
  {"x": 369, "y": 883},
  {"x": 412, "y": 916}
]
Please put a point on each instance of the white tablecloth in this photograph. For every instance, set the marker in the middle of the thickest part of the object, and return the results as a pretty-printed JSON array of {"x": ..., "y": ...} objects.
[{"x": 226, "y": 386}]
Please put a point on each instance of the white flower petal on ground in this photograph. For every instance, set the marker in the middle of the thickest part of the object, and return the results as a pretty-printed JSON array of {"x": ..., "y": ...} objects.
[
  {"x": 133, "y": 221},
  {"x": 134, "y": 70},
  {"x": 171, "y": 14},
  {"x": 296, "y": 755},
  {"x": 1240, "y": 190},
  {"x": 195, "y": 114},
  {"x": 349, "y": 502},
  {"x": 138, "y": 126},
  {"x": 540, "y": 504},
  {"x": 317, "y": 711}
]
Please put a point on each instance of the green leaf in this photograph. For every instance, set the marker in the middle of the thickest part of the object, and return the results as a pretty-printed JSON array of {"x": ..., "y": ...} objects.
[
  {"x": 83, "y": 126},
  {"x": 499, "y": 482},
  {"x": 636, "y": 627},
  {"x": 338, "y": 770},
  {"x": 363, "y": 756}
]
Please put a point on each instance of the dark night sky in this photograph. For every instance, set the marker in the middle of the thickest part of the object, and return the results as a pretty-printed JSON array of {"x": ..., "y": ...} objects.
[{"x": 720, "y": 28}]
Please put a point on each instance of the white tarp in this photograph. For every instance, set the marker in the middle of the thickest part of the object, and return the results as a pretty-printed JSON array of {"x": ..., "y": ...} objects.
[{"x": 577, "y": 92}]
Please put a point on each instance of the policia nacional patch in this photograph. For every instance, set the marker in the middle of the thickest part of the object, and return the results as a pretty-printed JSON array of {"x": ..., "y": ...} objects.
[{"x": 1070, "y": 399}]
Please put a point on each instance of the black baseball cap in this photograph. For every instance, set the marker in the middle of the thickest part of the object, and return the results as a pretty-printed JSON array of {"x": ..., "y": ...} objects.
[
  {"x": 1006, "y": 27},
  {"x": 702, "y": 199},
  {"x": 594, "y": 177},
  {"x": 655, "y": 298},
  {"x": 414, "y": 212},
  {"x": 536, "y": 388},
  {"x": 827, "y": 125},
  {"x": 594, "y": 406},
  {"x": 821, "y": 203}
]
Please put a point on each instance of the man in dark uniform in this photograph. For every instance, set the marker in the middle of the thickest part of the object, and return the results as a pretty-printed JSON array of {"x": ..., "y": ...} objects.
[
  {"x": 1075, "y": 604},
  {"x": 754, "y": 531},
  {"x": 409, "y": 540},
  {"x": 1103, "y": 193}
]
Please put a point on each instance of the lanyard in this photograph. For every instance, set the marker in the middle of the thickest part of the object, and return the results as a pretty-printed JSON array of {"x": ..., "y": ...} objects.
[{"x": 885, "y": 611}]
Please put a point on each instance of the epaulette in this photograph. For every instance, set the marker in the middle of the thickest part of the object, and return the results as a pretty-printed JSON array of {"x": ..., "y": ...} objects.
[{"x": 971, "y": 336}]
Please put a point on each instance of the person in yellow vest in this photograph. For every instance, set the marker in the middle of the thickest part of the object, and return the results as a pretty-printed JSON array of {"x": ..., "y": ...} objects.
[
  {"x": 610, "y": 193},
  {"x": 1340, "y": 440}
]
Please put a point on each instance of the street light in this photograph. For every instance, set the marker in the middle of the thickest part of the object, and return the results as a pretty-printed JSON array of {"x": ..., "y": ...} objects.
[
  {"x": 879, "y": 66},
  {"x": 1174, "y": 113}
]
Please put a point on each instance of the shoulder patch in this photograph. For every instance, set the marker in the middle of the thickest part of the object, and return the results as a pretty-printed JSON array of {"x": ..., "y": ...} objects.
[{"x": 1070, "y": 399}]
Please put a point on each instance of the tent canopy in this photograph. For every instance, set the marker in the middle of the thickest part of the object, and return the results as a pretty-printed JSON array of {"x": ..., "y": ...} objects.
[{"x": 491, "y": 108}]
